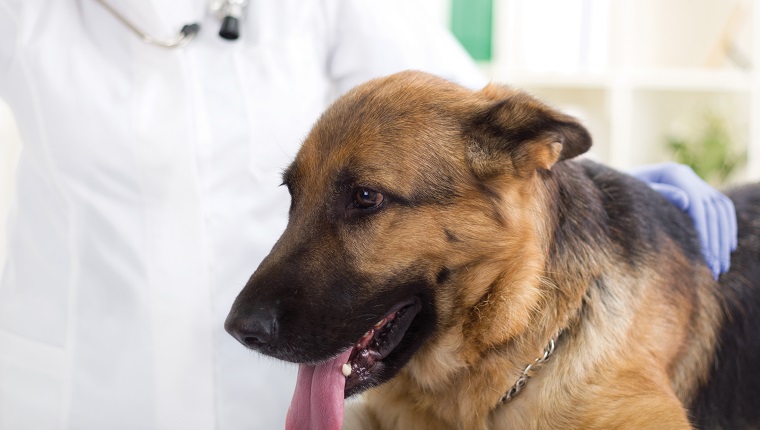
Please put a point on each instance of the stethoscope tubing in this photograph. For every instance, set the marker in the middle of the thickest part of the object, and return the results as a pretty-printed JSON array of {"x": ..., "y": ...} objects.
[{"x": 187, "y": 33}]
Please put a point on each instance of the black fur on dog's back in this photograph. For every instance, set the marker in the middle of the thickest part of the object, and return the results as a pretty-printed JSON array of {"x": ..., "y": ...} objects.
[
  {"x": 731, "y": 398},
  {"x": 637, "y": 215},
  {"x": 634, "y": 218}
]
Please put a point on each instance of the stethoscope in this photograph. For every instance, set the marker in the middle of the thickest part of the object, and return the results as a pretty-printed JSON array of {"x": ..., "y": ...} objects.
[{"x": 230, "y": 12}]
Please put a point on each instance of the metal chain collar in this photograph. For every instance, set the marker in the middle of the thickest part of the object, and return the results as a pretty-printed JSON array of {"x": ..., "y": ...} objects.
[{"x": 523, "y": 379}]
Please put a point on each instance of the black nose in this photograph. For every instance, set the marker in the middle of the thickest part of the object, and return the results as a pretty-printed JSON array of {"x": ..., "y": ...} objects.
[{"x": 252, "y": 327}]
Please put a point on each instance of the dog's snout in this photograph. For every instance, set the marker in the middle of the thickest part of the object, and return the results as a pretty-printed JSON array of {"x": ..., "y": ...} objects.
[{"x": 254, "y": 328}]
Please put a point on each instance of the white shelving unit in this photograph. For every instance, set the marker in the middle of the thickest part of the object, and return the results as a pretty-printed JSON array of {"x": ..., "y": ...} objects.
[{"x": 636, "y": 71}]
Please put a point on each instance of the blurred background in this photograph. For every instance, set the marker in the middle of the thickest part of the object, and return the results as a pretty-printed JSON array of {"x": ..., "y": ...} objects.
[{"x": 654, "y": 80}]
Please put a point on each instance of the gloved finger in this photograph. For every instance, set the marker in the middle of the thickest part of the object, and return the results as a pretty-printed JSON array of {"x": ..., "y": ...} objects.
[
  {"x": 713, "y": 236},
  {"x": 697, "y": 212},
  {"x": 732, "y": 222},
  {"x": 674, "y": 195},
  {"x": 724, "y": 233}
]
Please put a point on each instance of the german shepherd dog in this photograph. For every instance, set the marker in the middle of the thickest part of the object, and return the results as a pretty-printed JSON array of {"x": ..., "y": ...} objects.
[{"x": 445, "y": 252}]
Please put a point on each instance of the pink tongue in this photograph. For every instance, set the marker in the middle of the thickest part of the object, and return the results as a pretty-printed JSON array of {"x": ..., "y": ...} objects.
[{"x": 318, "y": 399}]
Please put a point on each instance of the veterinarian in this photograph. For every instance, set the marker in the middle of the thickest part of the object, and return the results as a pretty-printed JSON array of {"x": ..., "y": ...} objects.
[{"x": 147, "y": 193}]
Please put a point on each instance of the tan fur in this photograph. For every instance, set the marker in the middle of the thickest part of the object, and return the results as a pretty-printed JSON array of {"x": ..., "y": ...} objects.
[{"x": 627, "y": 363}]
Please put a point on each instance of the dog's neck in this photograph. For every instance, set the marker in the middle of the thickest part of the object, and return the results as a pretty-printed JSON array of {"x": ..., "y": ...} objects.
[
  {"x": 502, "y": 358},
  {"x": 529, "y": 370},
  {"x": 559, "y": 265}
]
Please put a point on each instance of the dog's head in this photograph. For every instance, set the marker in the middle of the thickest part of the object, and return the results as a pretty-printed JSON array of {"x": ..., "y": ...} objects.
[{"x": 411, "y": 198}]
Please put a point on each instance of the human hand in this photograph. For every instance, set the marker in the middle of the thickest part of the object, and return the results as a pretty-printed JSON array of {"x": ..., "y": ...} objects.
[{"x": 713, "y": 213}]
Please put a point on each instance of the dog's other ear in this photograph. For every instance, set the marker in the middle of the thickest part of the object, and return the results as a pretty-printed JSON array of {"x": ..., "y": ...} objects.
[{"x": 513, "y": 132}]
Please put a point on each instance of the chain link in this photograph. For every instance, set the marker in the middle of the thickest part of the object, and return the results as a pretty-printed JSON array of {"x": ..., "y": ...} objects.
[{"x": 523, "y": 379}]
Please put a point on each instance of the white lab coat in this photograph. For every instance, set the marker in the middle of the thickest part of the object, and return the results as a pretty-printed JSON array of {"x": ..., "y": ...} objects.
[{"x": 148, "y": 193}]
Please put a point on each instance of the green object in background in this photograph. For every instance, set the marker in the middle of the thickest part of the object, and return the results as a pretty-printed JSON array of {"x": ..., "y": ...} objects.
[
  {"x": 710, "y": 152},
  {"x": 471, "y": 23}
]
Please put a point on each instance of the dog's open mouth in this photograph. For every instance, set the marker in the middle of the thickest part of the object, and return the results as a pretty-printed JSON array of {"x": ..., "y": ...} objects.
[
  {"x": 320, "y": 389},
  {"x": 366, "y": 358}
]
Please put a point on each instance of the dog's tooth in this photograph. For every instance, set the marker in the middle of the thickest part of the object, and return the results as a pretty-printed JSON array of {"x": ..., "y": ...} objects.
[
  {"x": 365, "y": 339},
  {"x": 380, "y": 323},
  {"x": 346, "y": 369}
]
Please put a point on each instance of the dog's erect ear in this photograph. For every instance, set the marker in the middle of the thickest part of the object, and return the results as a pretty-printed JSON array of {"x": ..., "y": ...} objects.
[{"x": 513, "y": 132}]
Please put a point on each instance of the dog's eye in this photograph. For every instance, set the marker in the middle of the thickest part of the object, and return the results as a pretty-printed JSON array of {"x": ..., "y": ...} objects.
[{"x": 364, "y": 198}]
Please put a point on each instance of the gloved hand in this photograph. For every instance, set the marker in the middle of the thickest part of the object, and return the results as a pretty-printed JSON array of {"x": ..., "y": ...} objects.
[{"x": 713, "y": 213}]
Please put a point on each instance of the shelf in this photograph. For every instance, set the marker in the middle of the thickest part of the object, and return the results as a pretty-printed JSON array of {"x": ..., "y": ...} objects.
[
  {"x": 523, "y": 78},
  {"x": 696, "y": 80}
]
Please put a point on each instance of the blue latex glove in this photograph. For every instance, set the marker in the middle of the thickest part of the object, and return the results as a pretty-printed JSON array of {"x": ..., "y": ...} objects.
[{"x": 713, "y": 213}]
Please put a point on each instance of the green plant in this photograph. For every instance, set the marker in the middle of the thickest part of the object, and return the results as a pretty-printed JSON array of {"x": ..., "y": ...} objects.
[{"x": 710, "y": 151}]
